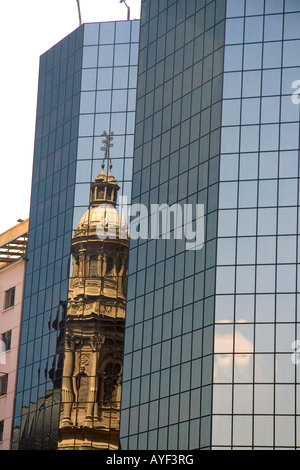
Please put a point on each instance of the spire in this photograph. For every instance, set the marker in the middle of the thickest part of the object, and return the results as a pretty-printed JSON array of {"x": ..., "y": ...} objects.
[{"x": 107, "y": 144}]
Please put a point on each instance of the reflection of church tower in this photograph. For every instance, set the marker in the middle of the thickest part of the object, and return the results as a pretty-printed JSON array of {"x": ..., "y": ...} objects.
[{"x": 91, "y": 388}]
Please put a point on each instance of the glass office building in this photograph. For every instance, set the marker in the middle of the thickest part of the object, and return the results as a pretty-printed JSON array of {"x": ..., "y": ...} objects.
[
  {"x": 211, "y": 334},
  {"x": 87, "y": 85}
]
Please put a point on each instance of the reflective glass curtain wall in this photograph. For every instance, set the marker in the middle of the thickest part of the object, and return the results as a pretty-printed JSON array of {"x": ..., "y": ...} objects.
[
  {"x": 87, "y": 86},
  {"x": 256, "y": 376},
  {"x": 167, "y": 382},
  {"x": 210, "y": 360}
]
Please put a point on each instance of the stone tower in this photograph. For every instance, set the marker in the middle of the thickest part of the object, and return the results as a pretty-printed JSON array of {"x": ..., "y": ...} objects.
[{"x": 93, "y": 356}]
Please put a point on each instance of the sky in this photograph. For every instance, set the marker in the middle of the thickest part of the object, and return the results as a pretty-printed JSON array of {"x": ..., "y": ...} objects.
[{"x": 28, "y": 29}]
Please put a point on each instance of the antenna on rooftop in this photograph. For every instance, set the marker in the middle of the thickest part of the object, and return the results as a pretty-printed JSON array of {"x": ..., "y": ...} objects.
[
  {"x": 128, "y": 9},
  {"x": 79, "y": 12}
]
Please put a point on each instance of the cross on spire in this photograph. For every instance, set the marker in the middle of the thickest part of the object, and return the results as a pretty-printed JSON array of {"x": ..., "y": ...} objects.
[{"x": 107, "y": 141}]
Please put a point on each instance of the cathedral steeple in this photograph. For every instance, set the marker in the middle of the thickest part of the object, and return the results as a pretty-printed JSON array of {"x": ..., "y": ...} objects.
[
  {"x": 104, "y": 188},
  {"x": 95, "y": 320}
]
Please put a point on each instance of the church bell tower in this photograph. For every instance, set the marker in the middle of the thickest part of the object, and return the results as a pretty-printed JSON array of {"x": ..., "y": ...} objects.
[{"x": 95, "y": 321}]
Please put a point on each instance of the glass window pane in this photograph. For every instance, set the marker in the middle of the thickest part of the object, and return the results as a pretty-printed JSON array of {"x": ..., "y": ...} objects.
[
  {"x": 227, "y": 223},
  {"x": 266, "y": 250},
  {"x": 290, "y": 53},
  {"x": 228, "y": 195},
  {"x": 242, "y": 430},
  {"x": 221, "y": 430},
  {"x": 234, "y": 31},
  {"x": 230, "y": 139},
  {"x": 250, "y": 111},
  {"x": 287, "y": 220},
  {"x": 265, "y": 308},
  {"x": 291, "y": 26},
  {"x": 229, "y": 167},
  {"x": 88, "y": 79},
  {"x": 267, "y": 193},
  {"x": 90, "y": 56},
  {"x": 222, "y": 399},
  {"x": 246, "y": 250},
  {"x": 123, "y": 31},
  {"x": 271, "y": 82},
  {"x": 244, "y": 308},
  {"x": 247, "y": 222},
  {"x": 231, "y": 112},
  {"x": 264, "y": 368},
  {"x": 264, "y": 338},
  {"x": 235, "y": 8},
  {"x": 265, "y": 279},
  {"x": 103, "y": 101},
  {"x": 120, "y": 77},
  {"x": 104, "y": 79},
  {"x": 264, "y": 431},
  {"x": 268, "y": 165},
  {"x": 233, "y": 58},
  {"x": 249, "y": 138},
  {"x": 274, "y": 6},
  {"x": 225, "y": 280},
  {"x": 86, "y": 125},
  {"x": 288, "y": 165},
  {"x": 248, "y": 166},
  {"x": 273, "y": 28},
  {"x": 87, "y": 102},
  {"x": 251, "y": 83},
  {"x": 224, "y": 308},
  {"x": 226, "y": 251},
  {"x": 107, "y": 33},
  {"x": 267, "y": 221},
  {"x": 102, "y": 123},
  {"x": 254, "y": 29},
  {"x": 288, "y": 192},
  {"x": 232, "y": 85},
  {"x": 289, "y": 136},
  {"x": 121, "y": 54},
  {"x": 270, "y": 110},
  {"x": 263, "y": 399},
  {"x": 252, "y": 56},
  {"x": 245, "y": 280},
  {"x": 269, "y": 137},
  {"x": 286, "y": 278},
  {"x": 285, "y": 307},
  {"x": 254, "y": 7}
]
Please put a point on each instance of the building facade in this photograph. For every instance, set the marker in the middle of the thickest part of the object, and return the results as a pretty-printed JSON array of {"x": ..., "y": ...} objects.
[
  {"x": 212, "y": 334},
  {"x": 87, "y": 85},
  {"x": 13, "y": 245}
]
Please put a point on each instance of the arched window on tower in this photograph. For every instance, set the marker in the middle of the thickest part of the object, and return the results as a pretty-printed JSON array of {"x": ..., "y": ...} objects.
[
  {"x": 82, "y": 385},
  {"x": 101, "y": 193},
  {"x": 94, "y": 265},
  {"x": 109, "y": 265},
  {"x": 119, "y": 264},
  {"x": 111, "y": 375},
  {"x": 76, "y": 265}
]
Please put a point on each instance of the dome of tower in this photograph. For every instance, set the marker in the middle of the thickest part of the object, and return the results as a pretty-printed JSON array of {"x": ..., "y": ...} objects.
[{"x": 104, "y": 219}]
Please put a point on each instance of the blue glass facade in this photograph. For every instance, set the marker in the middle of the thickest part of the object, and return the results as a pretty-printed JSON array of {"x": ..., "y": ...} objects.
[
  {"x": 168, "y": 359},
  {"x": 209, "y": 354},
  {"x": 87, "y": 85},
  {"x": 255, "y": 393}
]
